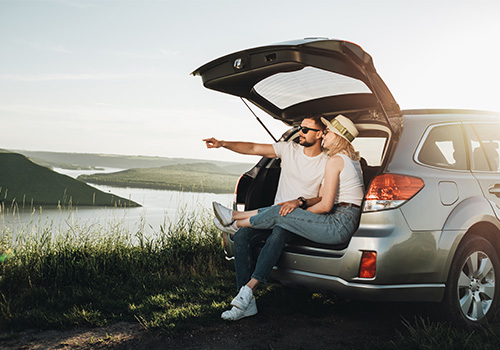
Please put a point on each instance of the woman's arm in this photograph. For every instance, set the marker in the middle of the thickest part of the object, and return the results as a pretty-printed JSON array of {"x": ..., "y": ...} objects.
[
  {"x": 289, "y": 206},
  {"x": 334, "y": 166}
]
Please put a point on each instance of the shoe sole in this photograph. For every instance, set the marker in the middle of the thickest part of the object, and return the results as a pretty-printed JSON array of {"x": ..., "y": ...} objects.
[
  {"x": 219, "y": 216},
  {"x": 225, "y": 229},
  {"x": 250, "y": 311}
]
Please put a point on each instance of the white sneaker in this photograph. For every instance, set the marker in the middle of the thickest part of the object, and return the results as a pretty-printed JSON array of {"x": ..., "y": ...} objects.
[
  {"x": 236, "y": 314},
  {"x": 223, "y": 214},
  {"x": 227, "y": 229},
  {"x": 244, "y": 298}
]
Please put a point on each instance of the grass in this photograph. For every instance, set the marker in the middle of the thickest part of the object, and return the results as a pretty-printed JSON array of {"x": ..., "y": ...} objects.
[
  {"x": 422, "y": 333},
  {"x": 171, "y": 282},
  {"x": 73, "y": 279}
]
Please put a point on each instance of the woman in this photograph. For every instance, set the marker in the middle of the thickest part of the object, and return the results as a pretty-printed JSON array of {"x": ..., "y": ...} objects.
[{"x": 330, "y": 218}]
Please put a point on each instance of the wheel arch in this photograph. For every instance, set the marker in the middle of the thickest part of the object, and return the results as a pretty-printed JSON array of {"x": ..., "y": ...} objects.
[
  {"x": 485, "y": 229},
  {"x": 457, "y": 305},
  {"x": 473, "y": 216},
  {"x": 489, "y": 231}
]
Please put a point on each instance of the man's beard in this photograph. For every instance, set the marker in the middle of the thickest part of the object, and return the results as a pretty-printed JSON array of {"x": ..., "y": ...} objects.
[{"x": 306, "y": 143}]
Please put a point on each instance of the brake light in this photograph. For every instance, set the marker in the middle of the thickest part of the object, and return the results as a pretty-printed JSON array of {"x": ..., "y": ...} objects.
[
  {"x": 368, "y": 265},
  {"x": 388, "y": 191}
]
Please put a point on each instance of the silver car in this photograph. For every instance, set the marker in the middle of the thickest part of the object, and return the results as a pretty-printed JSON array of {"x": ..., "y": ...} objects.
[{"x": 429, "y": 229}]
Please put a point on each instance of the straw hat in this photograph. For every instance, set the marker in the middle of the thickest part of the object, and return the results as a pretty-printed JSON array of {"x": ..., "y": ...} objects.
[{"x": 342, "y": 126}]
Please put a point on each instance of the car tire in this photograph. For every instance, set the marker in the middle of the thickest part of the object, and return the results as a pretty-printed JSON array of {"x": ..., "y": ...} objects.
[{"x": 471, "y": 296}]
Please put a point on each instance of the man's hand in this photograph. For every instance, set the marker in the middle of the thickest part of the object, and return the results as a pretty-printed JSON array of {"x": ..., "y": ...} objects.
[
  {"x": 289, "y": 206},
  {"x": 213, "y": 143},
  {"x": 256, "y": 149}
]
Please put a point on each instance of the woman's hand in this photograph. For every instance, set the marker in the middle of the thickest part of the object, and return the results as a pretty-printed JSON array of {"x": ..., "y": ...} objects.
[{"x": 289, "y": 206}]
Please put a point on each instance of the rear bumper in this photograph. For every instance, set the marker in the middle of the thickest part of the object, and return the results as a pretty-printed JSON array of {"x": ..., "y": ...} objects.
[
  {"x": 410, "y": 265},
  {"x": 360, "y": 291}
]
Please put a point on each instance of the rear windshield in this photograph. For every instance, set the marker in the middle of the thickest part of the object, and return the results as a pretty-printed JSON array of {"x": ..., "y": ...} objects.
[{"x": 287, "y": 89}]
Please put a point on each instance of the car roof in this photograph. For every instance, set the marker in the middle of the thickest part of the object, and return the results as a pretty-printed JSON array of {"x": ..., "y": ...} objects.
[
  {"x": 292, "y": 79},
  {"x": 451, "y": 115}
]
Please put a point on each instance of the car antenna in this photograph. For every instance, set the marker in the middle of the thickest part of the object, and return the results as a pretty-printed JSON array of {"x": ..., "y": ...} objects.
[{"x": 260, "y": 121}]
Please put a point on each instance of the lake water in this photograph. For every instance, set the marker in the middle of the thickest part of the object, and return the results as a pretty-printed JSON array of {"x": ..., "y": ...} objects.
[{"x": 159, "y": 207}]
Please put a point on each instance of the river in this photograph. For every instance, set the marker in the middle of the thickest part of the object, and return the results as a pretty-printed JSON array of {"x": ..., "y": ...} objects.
[{"x": 159, "y": 207}]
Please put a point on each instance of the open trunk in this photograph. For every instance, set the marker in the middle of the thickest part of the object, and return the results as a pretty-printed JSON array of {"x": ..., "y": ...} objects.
[
  {"x": 292, "y": 79},
  {"x": 257, "y": 187}
]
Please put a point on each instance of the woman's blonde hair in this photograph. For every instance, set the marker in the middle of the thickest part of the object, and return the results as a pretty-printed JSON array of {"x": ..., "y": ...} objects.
[{"x": 341, "y": 145}]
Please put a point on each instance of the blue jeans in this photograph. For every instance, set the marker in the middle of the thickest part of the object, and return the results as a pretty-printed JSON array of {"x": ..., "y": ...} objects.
[
  {"x": 245, "y": 240},
  {"x": 335, "y": 227}
]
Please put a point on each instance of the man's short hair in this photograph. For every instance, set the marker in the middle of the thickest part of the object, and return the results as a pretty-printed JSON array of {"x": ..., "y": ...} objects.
[{"x": 317, "y": 120}]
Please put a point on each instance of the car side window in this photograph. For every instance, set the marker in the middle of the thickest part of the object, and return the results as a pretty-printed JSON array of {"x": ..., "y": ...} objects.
[
  {"x": 444, "y": 147},
  {"x": 485, "y": 146}
]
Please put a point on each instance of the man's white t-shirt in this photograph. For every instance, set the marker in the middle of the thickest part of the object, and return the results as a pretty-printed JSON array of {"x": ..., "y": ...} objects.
[{"x": 300, "y": 175}]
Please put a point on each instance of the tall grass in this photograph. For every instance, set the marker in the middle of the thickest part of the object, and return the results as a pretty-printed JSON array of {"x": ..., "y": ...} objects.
[
  {"x": 423, "y": 333},
  {"x": 170, "y": 281},
  {"x": 95, "y": 274}
]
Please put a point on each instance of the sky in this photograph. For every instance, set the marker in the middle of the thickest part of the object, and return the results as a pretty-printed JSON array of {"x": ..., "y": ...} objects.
[{"x": 113, "y": 77}]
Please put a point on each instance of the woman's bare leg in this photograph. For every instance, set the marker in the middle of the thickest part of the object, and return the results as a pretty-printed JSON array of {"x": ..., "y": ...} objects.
[
  {"x": 253, "y": 284},
  {"x": 243, "y": 223},
  {"x": 241, "y": 215}
]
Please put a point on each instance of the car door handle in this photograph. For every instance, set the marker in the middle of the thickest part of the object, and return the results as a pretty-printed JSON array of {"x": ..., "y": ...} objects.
[{"x": 495, "y": 190}]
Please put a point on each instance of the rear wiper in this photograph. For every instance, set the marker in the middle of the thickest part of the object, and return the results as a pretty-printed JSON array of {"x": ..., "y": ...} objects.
[{"x": 261, "y": 123}]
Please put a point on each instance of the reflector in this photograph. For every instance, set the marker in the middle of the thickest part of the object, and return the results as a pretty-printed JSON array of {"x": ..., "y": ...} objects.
[{"x": 368, "y": 265}]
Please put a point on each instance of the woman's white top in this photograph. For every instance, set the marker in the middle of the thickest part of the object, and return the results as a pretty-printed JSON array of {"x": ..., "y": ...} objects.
[{"x": 351, "y": 189}]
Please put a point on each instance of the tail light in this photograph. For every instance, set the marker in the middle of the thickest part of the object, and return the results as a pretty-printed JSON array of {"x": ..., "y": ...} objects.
[
  {"x": 388, "y": 191},
  {"x": 236, "y": 188},
  {"x": 368, "y": 265}
]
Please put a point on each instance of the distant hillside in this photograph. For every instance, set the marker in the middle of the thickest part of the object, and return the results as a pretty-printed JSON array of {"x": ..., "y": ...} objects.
[
  {"x": 96, "y": 161},
  {"x": 197, "y": 177},
  {"x": 27, "y": 183}
]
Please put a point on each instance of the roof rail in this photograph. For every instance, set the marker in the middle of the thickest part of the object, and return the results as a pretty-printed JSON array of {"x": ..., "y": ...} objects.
[{"x": 447, "y": 111}]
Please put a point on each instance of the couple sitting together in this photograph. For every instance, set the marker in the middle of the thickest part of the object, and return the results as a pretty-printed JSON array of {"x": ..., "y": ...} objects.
[{"x": 319, "y": 195}]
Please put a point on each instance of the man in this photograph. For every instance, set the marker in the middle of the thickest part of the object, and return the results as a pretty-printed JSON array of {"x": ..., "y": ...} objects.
[{"x": 302, "y": 170}]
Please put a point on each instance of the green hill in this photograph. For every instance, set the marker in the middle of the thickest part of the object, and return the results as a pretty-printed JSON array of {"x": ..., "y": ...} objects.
[
  {"x": 95, "y": 161},
  {"x": 195, "y": 177},
  {"x": 27, "y": 184}
]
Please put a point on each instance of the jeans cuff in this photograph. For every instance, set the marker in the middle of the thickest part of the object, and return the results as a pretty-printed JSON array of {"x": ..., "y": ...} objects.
[{"x": 260, "y": 279}]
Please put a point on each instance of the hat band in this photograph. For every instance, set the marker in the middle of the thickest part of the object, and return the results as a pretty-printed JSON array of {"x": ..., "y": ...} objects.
[{"x": 342, "y": 130}]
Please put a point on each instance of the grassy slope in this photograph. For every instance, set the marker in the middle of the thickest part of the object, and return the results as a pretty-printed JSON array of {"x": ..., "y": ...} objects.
[
  {"x": 199, "y": 177},
  {"x": 92, "y": 161},
  {"x": 25, "y": 182}
]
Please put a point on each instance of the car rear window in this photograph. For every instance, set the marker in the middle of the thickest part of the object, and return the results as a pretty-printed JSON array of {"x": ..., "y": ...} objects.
[
  {"x": 287, "y": 89},
  {"x": 444, "y": 147}
]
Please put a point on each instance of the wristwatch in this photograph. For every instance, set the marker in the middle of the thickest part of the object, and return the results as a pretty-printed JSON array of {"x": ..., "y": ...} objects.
[{"x": 303, "y": 202}]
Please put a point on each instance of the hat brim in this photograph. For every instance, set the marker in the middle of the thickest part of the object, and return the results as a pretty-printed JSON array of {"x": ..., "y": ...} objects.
[{"x": 346, "y": 135}]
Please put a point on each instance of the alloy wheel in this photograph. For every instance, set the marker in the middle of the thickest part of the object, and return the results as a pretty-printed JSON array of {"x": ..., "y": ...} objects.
[{"x": 476, "y": 286}]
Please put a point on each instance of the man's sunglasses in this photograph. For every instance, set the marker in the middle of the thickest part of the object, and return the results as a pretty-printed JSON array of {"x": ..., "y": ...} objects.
[{"x": 305, "y": 129}]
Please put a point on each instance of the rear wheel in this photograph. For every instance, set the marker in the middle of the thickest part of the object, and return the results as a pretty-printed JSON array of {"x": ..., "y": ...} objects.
[{"x": 471, "y": 296}]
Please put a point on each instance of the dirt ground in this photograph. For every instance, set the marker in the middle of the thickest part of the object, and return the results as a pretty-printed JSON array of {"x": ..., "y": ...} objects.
[{"x": 353, "y": 325}]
